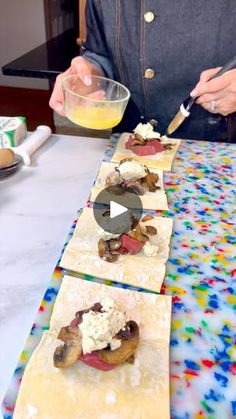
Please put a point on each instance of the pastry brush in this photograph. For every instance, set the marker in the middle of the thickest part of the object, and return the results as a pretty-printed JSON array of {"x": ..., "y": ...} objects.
[{"x": 185, "y": 107}]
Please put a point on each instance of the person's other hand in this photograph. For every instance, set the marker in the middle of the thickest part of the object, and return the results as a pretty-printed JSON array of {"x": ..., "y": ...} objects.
[
  {"x": 80, "y": 66},
  {"x": 217, "y": 95}
]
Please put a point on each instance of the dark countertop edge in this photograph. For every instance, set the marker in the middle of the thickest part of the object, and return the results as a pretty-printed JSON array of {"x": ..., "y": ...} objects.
[
  {"x": 21, "y": 72},
  {"x": 42, "y": 68}
]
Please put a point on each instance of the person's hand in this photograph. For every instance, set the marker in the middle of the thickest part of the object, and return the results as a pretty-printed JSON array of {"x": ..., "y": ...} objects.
[
  {"x": 80, "y": 66},
  {"x": 217, "y": 95}
]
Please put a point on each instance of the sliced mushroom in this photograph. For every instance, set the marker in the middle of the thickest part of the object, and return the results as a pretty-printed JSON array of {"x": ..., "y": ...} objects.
[
  {"x": 130, "y": 330},
  {"x": 137, "y": 234},
  {"x": 151, "y": 179},
  {"x": 67, "y": 354},
  {"x": 102, "y": 248},
  {"x": 97, "y": 308},
  {"x": 127, "y": 159},
  {"x": 167, "y": 146},
  {"x": 129, "y": 342},
  {"x": 110, "y": 257},
  {"x": 134, "y": 221},
  {"x": 147, "y": 218},
  {"x": 138, "y": 140},
  {"x": 130, "y": 360},
  {"x": 135, "y": 187},
  {"x": 104, "y": 251},
  {"x": 116, "y": 189},
  {"x": 151, "y": 230},
  {"x": 114, "y": 245}
]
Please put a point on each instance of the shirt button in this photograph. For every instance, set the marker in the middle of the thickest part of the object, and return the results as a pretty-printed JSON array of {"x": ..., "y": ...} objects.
[
  {"x": 149, "y": 73},
  {"x": 149, "y": 17}
]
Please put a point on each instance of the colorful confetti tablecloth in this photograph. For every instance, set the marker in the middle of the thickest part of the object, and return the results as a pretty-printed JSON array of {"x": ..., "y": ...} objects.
[{"x": 201, "y": 277}]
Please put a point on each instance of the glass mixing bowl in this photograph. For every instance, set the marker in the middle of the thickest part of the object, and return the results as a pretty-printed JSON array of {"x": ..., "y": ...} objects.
[{"x": 100, "y": 105}]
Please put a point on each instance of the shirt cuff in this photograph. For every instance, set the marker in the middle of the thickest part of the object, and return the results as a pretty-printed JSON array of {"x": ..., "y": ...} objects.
[{"x": 101, "y": 62}]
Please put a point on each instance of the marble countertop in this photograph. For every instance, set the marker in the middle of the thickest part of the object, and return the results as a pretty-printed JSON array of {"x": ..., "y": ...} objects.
[{"x": 37, "y": 206}]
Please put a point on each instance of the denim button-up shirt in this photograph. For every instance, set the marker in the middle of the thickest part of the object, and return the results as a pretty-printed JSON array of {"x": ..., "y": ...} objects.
[{"x": 184, "y": 38}]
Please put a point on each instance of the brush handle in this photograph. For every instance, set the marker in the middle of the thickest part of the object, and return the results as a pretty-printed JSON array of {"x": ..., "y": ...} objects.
[
  {"x": 187, "y": 104},
  {"x": 228, "y": 66}
]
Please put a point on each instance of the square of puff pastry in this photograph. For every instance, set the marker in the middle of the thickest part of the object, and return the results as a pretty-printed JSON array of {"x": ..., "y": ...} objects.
[
  {"x": 147, "y": 272},
  {"x": 162, "y": 160},
  {"x": 130, "y": 391}
]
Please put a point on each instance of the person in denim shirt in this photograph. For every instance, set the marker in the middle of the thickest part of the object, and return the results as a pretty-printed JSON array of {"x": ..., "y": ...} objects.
[{"x": 163, "y": 50}]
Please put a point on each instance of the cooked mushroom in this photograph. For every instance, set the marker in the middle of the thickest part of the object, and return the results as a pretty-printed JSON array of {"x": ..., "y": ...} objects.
[
  {"x": 67, "y": 354},
  {"x": 147, "y": 218},
  {"x": 151, "y": 179},
  {"x": 138, "y": 140},
  {"x": 102, "y": 248},
  {"x": 151, "y": 230},
  {"x": 114, "y": 245},
  {"x": 135, "y": 187},
  {"x": 129, "y": 342},
  {"x": 168, "y": 146},
  {"x": 137, "y": 234},
  {"x": 116, "y": 189},
  {"x": 110, "y": 257},
  {"x": 134, "y": 221},
  {"x": 127, "y": 159},
  {"x": 130, "y": 360},
  {"x": 97, "y": 308},
  {"x": 104, "y": 251}
]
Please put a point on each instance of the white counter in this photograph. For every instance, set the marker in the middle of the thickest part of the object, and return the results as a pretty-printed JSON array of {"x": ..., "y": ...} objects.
[{"x": 37, "y": 207}]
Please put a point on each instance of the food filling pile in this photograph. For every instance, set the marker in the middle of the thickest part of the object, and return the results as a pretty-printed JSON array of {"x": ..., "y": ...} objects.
[
  {"x": 111, "y": 246},
  {"x": 99, "y": 336},
  {"x": 146, "y": 142},
  {"x": 133, "y": 177}
]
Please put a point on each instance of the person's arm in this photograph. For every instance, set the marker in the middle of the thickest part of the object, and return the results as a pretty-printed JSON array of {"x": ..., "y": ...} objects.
[
  {"x": 95, "y": 47},
  {"x": 217, "y": 95}
]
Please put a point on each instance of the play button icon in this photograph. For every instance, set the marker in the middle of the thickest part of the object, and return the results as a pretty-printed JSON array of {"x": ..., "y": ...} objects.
[
  {"x": 119, "y": 213},
  {"x": 116, "y": 209}
]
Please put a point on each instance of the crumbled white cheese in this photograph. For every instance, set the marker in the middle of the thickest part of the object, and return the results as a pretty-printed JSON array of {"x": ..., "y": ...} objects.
[
  {"x": 150, "y": 249},
  {"x": 113, "y": 178},
  {"x": 146, "y": 131},
  {"x": 32, "y": 410},
  {"x": 130, "y": 170},
  {"x": 98, "y": 329},
  {"x": 135, "y": 375},
  {"x": 111, "y": 397},
  {"x": 165, "y": 139},
  {"x": 106, "y": 235}
]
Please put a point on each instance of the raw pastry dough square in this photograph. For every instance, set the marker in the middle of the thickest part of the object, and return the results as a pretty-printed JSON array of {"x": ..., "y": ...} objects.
[
  {"x": 130, "y": 391},
  {"x": 81, "y": 255},
  {"x": 150, "y": 200},
  {"x": 162, "y": 161}
]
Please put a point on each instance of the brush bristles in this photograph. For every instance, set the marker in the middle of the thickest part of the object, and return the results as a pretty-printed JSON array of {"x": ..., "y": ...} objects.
[{"x": 176, "y": 122}]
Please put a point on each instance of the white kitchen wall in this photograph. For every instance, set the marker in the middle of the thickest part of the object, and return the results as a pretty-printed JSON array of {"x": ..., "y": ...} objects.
[{"x": 22, "y": 28}]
